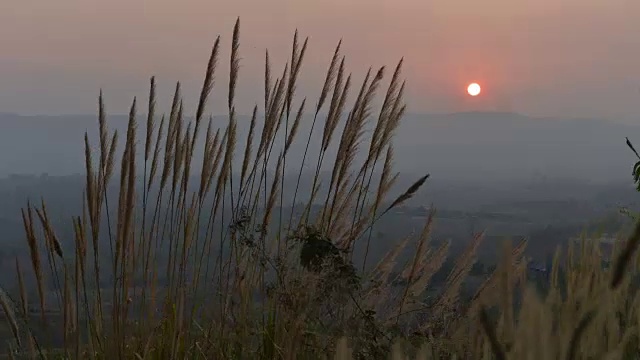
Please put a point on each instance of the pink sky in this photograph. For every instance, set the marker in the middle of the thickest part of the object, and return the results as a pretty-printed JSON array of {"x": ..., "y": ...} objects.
[{"x": 566, "y": 58}]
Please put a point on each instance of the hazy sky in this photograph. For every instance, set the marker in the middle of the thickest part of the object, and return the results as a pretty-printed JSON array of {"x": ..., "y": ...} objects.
[{"x": 545, "y": 57}]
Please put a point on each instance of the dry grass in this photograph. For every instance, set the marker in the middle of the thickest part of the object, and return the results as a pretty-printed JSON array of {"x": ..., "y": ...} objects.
[{"x": 241, "y": 282}]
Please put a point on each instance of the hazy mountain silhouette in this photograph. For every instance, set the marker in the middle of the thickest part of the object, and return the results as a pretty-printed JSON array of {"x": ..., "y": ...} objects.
[
  {"x": 484, "y": 146},
  {"x": 513, "y": 146}
]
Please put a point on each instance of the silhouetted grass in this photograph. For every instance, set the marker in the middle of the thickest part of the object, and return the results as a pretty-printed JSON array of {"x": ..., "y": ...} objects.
[{"x": 264, "y": 285}]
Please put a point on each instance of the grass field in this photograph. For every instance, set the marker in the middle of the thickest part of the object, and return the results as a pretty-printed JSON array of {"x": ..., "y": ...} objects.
[{"x": 288, "y": 290}]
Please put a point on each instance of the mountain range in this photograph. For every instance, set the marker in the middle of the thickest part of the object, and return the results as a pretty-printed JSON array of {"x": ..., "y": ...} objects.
[{"x": 470, "y": 146}]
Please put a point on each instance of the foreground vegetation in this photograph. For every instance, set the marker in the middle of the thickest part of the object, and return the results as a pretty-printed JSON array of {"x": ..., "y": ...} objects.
[{"x": 246, "y": 281}]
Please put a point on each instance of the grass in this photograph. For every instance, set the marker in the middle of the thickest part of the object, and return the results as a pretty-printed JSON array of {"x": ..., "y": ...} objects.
[{"x": 216, "y": 270}]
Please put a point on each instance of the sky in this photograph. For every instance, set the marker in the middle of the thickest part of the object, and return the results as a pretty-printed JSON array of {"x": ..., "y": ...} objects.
[{"x": 560, "y": 58}]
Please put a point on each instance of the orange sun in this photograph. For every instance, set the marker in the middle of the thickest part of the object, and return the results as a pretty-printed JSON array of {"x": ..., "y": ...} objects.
[{"x": 474, "y": 89}]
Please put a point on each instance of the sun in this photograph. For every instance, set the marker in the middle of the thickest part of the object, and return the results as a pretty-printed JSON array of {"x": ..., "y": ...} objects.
[{"x": 474, "y": 89}]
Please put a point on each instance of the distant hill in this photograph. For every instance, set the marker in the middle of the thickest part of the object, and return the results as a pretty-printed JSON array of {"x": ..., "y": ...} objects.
[
  {"x": 513, "y": 146},
  {"x": 480, "y": 146}
]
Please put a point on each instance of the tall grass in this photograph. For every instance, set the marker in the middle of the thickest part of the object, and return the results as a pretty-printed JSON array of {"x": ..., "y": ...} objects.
[{"x": 242, "y": 279}]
